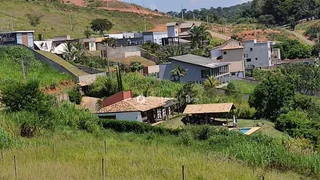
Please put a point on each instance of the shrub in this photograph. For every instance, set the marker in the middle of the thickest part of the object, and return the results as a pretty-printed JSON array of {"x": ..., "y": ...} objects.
[
  {"x": 5, "y": 139},
  {"x": 75, "y": 96},
  {"x": 186, "y": 138},
  {"x": 136, "y": 127},
  {"x": 292, "y": 121}
]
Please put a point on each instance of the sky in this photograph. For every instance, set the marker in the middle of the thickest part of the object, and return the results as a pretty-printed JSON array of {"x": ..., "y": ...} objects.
[{"x": 175, "y": 5}]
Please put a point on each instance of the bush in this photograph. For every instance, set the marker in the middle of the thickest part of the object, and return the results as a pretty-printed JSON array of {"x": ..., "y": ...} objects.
[
  {"x": 5, "y": 139},
  {"x": 292, "y": 121},
  {"x": 136, "y": 127},
  {"x": 186, "y": 138},
  {"x": 75, "y": 96}
]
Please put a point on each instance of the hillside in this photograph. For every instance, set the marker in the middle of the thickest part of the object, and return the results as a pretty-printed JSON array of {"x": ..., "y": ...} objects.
[
  {"x": 115, "y": 5},
  {"x": 56, "y": 17}
]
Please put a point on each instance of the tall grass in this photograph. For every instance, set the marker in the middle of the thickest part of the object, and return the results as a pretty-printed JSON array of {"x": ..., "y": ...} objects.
[
  {"x": 11, "y": 68},
  {"x": 129, "y": 156}
]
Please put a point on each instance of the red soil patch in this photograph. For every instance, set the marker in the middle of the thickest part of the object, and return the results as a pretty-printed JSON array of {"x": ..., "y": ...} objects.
[
  {"x": 260, "y": 35},
  {"x": 115, "y": 5},
  {"x": 58, "y": 89}
]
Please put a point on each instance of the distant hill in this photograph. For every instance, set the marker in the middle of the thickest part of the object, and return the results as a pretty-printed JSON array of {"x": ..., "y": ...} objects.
[
  {"x": 56, "y": 18},
  {"x": 115, "y": 5}
]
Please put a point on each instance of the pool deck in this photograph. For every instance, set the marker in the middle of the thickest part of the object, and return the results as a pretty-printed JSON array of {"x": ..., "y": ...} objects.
[{"x": 252, "y": 130}]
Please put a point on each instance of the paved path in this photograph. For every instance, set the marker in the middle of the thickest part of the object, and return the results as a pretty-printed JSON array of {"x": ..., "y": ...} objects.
[
  {"x": 301, "y": 37},
  {"x": 220, "y": 36},
  {"x": 90, "y": 103}
]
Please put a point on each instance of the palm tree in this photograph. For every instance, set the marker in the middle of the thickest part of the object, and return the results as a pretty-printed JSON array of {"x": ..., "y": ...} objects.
[
  {"x": 177, "y": 73},
  {"x": 69, "y": 51},
  {"x": 199, "y": 34},
  {"x": 211, "y": 82},
  {"x": 136, "y": 66}
]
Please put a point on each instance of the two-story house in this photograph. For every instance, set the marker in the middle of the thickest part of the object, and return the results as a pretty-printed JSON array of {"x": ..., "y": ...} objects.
[
  {"x": 198, "y": 69},
  {"x": 232, "y": 53},
  {"x": 259, "y": 54}
]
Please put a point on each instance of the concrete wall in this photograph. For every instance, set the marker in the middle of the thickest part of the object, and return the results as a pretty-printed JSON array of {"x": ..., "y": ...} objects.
[
  {"x": 128, "y": 116},
  {"x": 259, "y": 53},
  {"x": 123, "y": 52},
  {"x": 215, "y": 53},
  {"x": 172, "y": 31},
  {"x": 89, "y": 79},
  {"x": 117, "y": 98},
  {"x": 129, "y": 54},
  {"x": 235, "y": 58}
]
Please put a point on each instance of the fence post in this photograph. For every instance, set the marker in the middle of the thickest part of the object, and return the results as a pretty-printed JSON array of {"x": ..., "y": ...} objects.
[
  {"x": 183, "y": 175},
  {"x": 53, "y": 150},
  {"x": 15, "y": 167},
  {"x": 105, "y": 147},
  {"x": 102, "y": 169}
]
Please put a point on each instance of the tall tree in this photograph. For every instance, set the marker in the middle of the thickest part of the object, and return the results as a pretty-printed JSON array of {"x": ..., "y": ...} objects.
[{"x": 101, "y": 25}]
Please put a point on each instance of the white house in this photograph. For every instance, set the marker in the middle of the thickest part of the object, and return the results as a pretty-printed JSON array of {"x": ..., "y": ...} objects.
[
  {"x": 259, "y": 54},
  {"x": 122, "y": 106},
  {"x": 155, "y": 37},
  {"x": 231, "y": 52}
]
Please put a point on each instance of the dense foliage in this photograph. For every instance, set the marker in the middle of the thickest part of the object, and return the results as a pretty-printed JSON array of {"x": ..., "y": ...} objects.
[
  {"x": 293, "y": 49},
  {"x": 268, "y": 12},
  {"x": 75, "y": 95},
  {"x": 101, "y": 25}
]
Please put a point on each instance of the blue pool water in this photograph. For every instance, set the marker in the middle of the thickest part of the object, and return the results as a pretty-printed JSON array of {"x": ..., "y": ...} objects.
[{"x": 244, "y": 130}]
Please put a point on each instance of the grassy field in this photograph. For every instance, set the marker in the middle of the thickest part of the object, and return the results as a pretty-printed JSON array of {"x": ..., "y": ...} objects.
[
  {"x": 74, "y": 70},
  {"x": 78, "y": 155},
  {"x": 56, "y": 18},
  {"x": 11, "y": 71}
]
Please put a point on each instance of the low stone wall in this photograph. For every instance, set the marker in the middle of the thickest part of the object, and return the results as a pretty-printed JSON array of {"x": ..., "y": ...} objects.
[
  {"x": 130, "y": 54},
  {"x": 89, "y": 79}
]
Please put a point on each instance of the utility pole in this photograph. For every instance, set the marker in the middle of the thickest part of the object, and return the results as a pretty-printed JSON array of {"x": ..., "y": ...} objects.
[
  {"x": 181, "y": 12},
  {"x": 71, "y": 26},
  {"x": 23, "y": 71},
  {"x": 145, "y": 24},
  {"x": 318, "y": 36},
  {"x": 11, "y": 21}
]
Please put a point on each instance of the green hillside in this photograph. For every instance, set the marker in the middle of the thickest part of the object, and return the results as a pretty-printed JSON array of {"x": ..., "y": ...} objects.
[
  {"x": 11, "y": 71},
  {"x": 56, "y": 18}
]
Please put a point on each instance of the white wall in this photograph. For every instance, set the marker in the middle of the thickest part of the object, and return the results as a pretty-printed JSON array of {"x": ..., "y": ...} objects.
[
  {"x": 259, "y": 53},
  {"x": 147, "y": 38},
  {"x": 158, "y": 38},
  {"x": 215, "y": 53},
  {"x": 127, "y": 116},
  {"x": 172, "y": 31}
]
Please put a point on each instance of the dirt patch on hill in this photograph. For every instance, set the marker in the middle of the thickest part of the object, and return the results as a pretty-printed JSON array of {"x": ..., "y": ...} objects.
[
  {"x": 115, "y": 5},
  {"x": 260, "y": 35},
  {"x": 58, "y": 89}
]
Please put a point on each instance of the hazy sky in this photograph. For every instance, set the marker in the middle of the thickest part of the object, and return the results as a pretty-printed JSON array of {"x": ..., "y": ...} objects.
[{"x": 175, "y": 5}]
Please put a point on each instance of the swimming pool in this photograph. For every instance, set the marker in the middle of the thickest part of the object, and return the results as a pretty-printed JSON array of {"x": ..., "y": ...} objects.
[{"x": 244, "y": 130}]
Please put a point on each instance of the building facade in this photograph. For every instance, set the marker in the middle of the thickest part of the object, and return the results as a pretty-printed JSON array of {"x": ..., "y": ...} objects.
[
  {"x": 155, "y": 37},
  {"x": 258, "y": 54},
  {"x": 17, "y": 37},
  {"x": 198, "y": 69}
]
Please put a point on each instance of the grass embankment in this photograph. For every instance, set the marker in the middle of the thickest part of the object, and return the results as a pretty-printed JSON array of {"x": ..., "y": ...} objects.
[
  {"x": 244, "y": 87},
  {"x": 56, "y": 18},
  {"x": 78, "y": 155},
  {"x": 11, "y": 70},
  {"x": 71, "y": 68}
]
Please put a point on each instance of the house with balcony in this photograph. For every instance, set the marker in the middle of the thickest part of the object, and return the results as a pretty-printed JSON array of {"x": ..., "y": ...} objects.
[{"x": 198, "y": 69}]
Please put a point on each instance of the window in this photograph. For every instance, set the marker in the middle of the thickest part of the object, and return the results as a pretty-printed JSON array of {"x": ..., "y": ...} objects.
[
  {"x": 205, "y": 73},
  {"x": 224, "y": 52},
  {"x": 256, "y": 58},
  {"x": 251, "y": 49},
  {"x": 249, "y": 60},
  {"x": 233, "y": 74}
]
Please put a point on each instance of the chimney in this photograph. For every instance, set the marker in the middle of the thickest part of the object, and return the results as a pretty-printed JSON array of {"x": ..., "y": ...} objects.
[{"x": 120, "y": 96}]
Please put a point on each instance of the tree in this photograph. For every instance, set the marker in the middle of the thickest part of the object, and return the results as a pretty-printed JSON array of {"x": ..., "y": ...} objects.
[
  {"x": 211, "y": 82},
  {"x": 186, "y": 95},
  {"x": 100, "y": 25},
  {"x": 271, "y": 96},
  {"x": 199, "y": 34},
  {"x": 267, "y": 20},
  {"x": 87, "y": 32},
  {"x": 34, "y": 19},
  {"x": 177, "y": 73},
  {"x": 119, "y": 79},
  {"x": 136, "y": 66}
]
